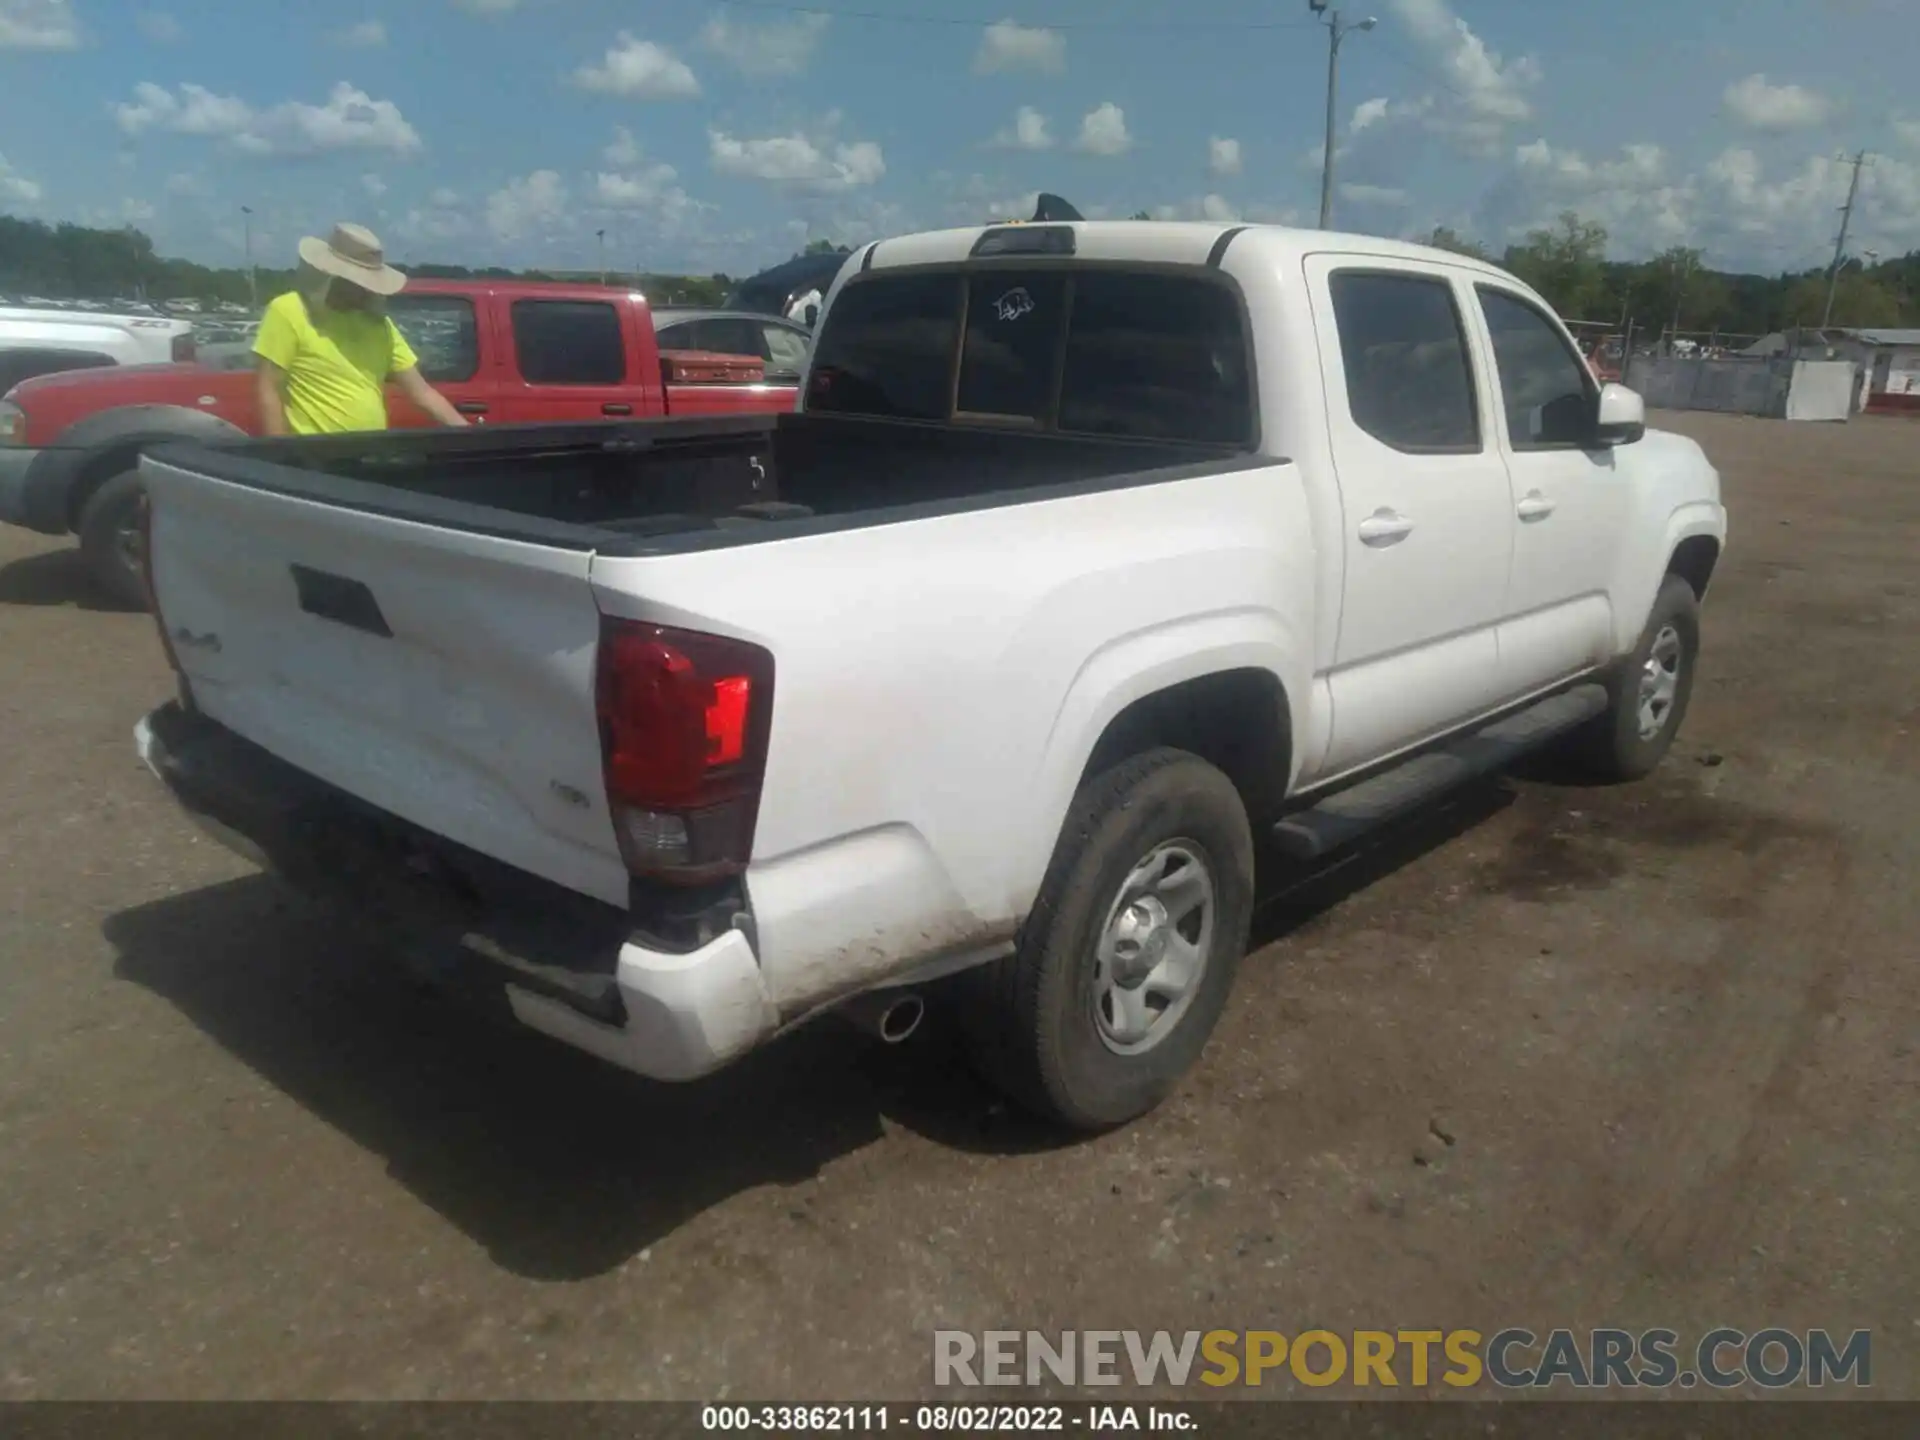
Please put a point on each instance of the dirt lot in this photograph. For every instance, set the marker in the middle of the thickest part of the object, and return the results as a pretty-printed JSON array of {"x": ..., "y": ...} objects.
[{"x": 1673, "y": 1030}]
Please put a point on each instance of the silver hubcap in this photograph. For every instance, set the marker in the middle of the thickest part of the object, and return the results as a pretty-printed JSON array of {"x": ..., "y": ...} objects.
[
  {"x": 1153, "y": 948},
  {"x": 1659, "y": 682},
  {"x": 130, "y": 543}
]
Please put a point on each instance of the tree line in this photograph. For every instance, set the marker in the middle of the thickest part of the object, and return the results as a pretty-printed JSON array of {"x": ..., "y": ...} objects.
[
  {"x": 1675, "y": 290},
  {"x": 1567, "y": 263},
  {"x": 78, "y": 262}
]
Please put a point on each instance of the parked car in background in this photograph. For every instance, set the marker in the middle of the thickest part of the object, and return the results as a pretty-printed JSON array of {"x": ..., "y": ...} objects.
[
  {"x": 43, "y": 340},
  {"x": 1095, "y": 552},
  {"x": 780, "y": 344},
  {"x": 507, "y": 352}
]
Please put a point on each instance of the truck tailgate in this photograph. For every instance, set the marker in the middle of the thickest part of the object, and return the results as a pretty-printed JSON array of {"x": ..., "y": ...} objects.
[{"x": 442, "y": 675}]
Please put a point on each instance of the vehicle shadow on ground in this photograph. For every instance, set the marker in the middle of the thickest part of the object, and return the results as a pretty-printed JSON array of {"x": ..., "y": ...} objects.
[
  {"x": 559, "y": 1165},
  {"x": 54, "y": 577}
]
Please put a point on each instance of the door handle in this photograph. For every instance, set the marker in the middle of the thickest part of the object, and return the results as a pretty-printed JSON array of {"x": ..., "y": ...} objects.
[
  {"x": 471, "y": 407},
  {"x": 616, "y": 409},
  {"x": 1385, "y": 527},
  {"x": 1534, "y": 506}
]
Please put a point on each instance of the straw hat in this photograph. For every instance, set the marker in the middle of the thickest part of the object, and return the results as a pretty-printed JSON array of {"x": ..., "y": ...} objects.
[{"x": 352, "y": 253}]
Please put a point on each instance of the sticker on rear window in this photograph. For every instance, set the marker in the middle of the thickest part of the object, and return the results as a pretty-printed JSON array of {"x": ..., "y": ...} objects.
[{"x": 1014, "y": 304}]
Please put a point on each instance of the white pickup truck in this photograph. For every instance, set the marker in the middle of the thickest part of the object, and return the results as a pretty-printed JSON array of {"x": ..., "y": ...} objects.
[
  {"x": 1096, "y": 553},
  {"x": 44, "y": 341}
]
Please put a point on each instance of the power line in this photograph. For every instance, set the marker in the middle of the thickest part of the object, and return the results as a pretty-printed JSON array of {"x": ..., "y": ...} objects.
[{"x": 974, "y": 22}]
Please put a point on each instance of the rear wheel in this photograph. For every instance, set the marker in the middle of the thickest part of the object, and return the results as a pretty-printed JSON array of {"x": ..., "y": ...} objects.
[
  {"x": 1126, "y": 962},
  {"x": 111, "y": 543}
]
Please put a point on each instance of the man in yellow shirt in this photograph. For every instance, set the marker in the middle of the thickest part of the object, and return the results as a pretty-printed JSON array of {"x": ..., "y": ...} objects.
[{"x": 326, "y": 352}]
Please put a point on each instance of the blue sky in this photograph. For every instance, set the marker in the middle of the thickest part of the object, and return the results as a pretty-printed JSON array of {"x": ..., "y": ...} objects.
[{"x": 719, "y": 136}]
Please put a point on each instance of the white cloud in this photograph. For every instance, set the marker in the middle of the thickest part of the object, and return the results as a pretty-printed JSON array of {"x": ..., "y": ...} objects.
[
  {"x": 637, "y": 185},
  {"x": 374, "y": 185},
  {"x": 17, "y": 187},
  {"x": 1009, "y": 45},
  {"x": 1103, "y": 131},
  {"x": 623, "y": 150},
  {"x": 350, "y": 119},
  {"x": 1223, "y": 156},
  {"x": 1759, "y": 105},
  {"x": 1028, "y": 132},
  {"x": 158, "y": 26},
  {"x": 443, "y": 198},
  {"x": 797, "y": 161},
  {"x": 1375, "y": 195},
  {"x": 1369, "y": 113},
  {"x": 135, "y": 212},
  {"x": 487, "y": 7},
  {"x": 195, "y": 111},
  {"x": 1217, "y": 207},
  {"x": 365, "y": 35},
  {"x": 633, "y": 191},
  {"x": 38, "y": 25},
  {"x": 531, "y": 203},
  {"x": 183, "y": 184},
  {"x": 1908, "y": 131},
  {"x": 778, "y": 47},
  {"x": 1483, "y": 95},
  {"x": 640, "y": 70},
  {"x": 1634, "y": 193}
]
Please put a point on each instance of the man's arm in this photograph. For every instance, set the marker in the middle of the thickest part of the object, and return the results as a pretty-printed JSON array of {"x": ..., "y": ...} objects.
[
  {"x": 270, "y": 389},
  {"x": 415, "y": 387}
]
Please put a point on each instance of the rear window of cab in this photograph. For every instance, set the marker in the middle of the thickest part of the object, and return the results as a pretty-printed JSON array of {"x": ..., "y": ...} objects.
[{"x": 1080, "y": 349}]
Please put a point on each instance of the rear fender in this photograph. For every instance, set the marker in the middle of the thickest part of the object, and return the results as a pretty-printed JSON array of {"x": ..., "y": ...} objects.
[{"x": 1131, "y": 668}]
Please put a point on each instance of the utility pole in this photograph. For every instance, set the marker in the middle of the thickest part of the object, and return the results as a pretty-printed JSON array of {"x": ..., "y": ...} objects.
[
  {"x": 1859, "y": 163},
  {"x": 1682, "y": 267},
  {"x": 253, "y": 283},
  {"x": 1337, "y": 30},
  {"x": 601, "y": 236}
]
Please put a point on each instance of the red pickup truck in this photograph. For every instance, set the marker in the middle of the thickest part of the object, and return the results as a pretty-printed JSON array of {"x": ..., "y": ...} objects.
[{"x": 504, "y": 353}]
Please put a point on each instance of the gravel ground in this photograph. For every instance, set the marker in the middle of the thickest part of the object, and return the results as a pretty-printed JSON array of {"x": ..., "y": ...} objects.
[{"x": 1672, "y": 1029}]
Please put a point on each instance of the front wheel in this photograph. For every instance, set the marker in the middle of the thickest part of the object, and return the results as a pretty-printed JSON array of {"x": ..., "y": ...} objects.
[
  {"x": 111, "y": 543},
  {"x": 1125, "y": 964},
  {"x": 1650, "y": 691}
]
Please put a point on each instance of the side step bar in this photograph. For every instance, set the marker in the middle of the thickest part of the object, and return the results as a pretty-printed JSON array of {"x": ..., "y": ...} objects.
[{"x": 1348, "y": 815}]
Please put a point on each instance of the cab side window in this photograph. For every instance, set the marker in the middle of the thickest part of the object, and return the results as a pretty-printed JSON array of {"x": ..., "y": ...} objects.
[
  {"x": 1546, "y": 389},
  {"x": 1409, "y": 371}
]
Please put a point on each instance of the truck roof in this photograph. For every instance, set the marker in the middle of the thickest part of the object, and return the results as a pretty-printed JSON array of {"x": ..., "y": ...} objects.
[
  {"x": 1165, "y": 242},
  {"x": 91, "y": 319},
  {"x": 555, "y": 289}
]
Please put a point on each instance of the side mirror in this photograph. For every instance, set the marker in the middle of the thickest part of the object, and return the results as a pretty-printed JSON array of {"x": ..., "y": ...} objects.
[{"x": 1621, "y": 416}]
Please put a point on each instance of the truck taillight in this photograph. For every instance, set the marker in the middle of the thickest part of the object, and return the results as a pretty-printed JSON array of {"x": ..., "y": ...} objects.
[
  {"x": 183, "y": 348},
  {"x": 683, "y": 737}
]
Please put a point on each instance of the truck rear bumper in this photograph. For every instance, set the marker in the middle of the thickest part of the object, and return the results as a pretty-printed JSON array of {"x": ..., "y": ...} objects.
[{"x": 567, "y": 965}]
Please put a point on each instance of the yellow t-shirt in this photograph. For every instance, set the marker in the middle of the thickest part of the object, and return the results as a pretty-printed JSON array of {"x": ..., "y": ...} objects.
[{"x": 336, "y": 369}]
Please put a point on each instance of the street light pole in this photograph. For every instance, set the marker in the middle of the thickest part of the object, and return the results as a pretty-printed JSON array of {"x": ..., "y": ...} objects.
[
  {"x": 1337, "y": 30},
  {"x": 1859, "y": 163},
  {"x": 253, "y": 283}
]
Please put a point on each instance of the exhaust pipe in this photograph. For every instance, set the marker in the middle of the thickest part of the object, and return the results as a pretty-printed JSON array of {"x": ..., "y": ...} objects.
[{"x": 890, "y": 1016}]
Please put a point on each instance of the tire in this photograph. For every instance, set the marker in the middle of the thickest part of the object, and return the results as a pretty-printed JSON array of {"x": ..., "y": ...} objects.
[
  {"x": 110, "y": 540},
  {"x": 1068, "y": 1025},
  {"x": 1637, "y": 729}
]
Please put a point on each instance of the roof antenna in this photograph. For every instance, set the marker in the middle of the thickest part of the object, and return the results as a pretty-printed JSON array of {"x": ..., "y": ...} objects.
[{"x": 1052, "y": 207}]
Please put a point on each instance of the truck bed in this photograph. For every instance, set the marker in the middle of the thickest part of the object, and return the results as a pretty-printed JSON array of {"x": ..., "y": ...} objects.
[{"x": 650, "y": 487}]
